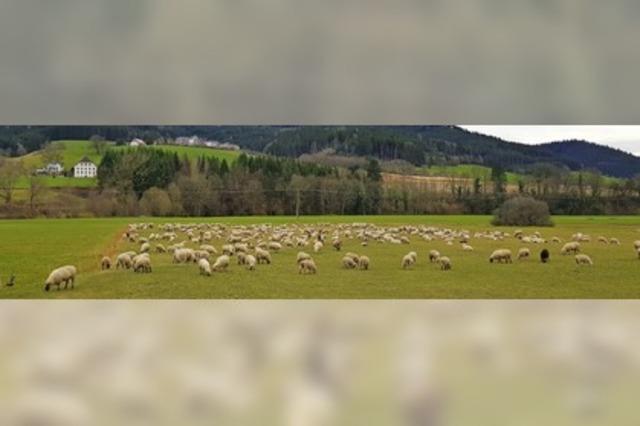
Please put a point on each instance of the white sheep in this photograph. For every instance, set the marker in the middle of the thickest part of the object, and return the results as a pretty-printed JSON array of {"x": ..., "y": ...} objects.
[
  {"x": 583, "y": 259},
  {"x": 337, "y": 244},
  {"x": 302, "y": 256},
  {"x": 307, "y": 266},
  {"x": 524, "y": 253},
  {"x": 105, "y": 263},
  {"x": 250, "y": 261},
  {"x": 263, "y": 256},
  {"x": 636, "y": 244},
  {"x": 317, "y": 246},
  {"x": 434, "y": 255},
  {"x": 228, "y": 249},
  {"x": 211, "y": 249},
  {"x": 142, "y": 263},
  {"x": 353, "y": 256},
  {"x": 500, "y": 256},
  {"x": 556, "y": 240},
  {"x": 145, "y": 247},
  {"x": 160, "y": 248},
  {"x": 466, "y": 247},
  {"x": 363, "y": 263},
  {"x": 184, "y": 255},
  {"x": 407, "y": 261},
  {"x": 349, "y": 263},
  {"x": 614, "y": 241},
  {"x": 242, "y": 258},
  {"x": 123, "y": 261},
  {"x": 274, "y": 246},
  {"x": 221, "y": 263},
  {"x": 445, "y": 263},
  {"x": 204, "y": 267},
  {"x": 571, "y": 248},
  {"x": 63, "y": 275},
  {"x": 414, "y": 255}
]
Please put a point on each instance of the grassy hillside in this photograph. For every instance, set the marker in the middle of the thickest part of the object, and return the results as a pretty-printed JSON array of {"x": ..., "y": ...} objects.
[
  {"x": 82, "y": 242},
  {"x": 74, "y": 150},
  {"x": 470, "y": 171}
]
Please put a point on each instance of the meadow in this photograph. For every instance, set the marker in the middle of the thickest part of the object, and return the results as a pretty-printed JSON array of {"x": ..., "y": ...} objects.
[{"x": 30, "y": 249}]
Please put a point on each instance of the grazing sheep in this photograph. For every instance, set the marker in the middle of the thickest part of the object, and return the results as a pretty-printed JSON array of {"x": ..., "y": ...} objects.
[
  {"x": 466, "y": 247},
  {"x": 204, "y": 266},
  {"x": 307, "y": 266},
  {"x": 556, "y": 240},
  {"x": 317, "y": 246},
  {"x": 353, "y": 256},
  {"x": 414, "y": 255},
  {"x": 302, "y": 256},
  {"x": 105, "y": 263},
  {"x": 142, "y": 263},
  {"x": 145, "y": 247},
  {"x": 123, "y": 261},
  {"x": 434, "y": 255},
  {"x": 201, "y": 254},
  {"x": 211, "y": 249},
  {"x": 242, "y": 258},
  {"x": 184, "y": 255},
  {"x": 363, "y": 263},
  {"x": 571, "y": 248},
  {"x": 221, "y": 264},
  {"x": 636, "y": 244},
  {"x": 445, "y": 263},
  {"x": 263, "y": 256},
  {"x": 614, "y": 241},
  {"x": 63, "y": 275},
  {"x": 160, "y": 248},
  {"x": 524, "y": 253},
  {"x": 228, "y": 249},
  {"x": 274, "y": 246},
  {"x": 404, "y": 240},
  {"x": 349, "y": 263},
  {"x": 501, "y": 256},
  {"x": 407, "y": 261},
  {"x": 250, "y": 261},
  {"x": 583, "y": 259},
  {"x": 544, "y": 256},
  {"x": 337, "y": 244},
  {"x": 603, "y": 240}
]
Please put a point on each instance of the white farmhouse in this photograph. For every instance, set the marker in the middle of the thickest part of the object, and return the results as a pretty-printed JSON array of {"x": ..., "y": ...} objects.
[
  {"x": 85, "y": 168},
  {"x": 54, "y": 169}
]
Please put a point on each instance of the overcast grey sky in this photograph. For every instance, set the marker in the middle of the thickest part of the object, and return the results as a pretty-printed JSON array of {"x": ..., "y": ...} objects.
[{"x": 623, "y": 137}]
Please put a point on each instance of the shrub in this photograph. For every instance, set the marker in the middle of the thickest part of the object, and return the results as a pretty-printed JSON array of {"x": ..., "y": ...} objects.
[{"x": 522, "y": 211}]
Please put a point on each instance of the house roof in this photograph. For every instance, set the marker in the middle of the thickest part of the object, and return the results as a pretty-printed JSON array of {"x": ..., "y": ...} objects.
[{"x": 85, "y": 159}]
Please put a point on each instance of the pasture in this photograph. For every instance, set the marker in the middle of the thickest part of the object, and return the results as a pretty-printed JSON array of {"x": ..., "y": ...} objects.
[{"x": 32, "y": 248}]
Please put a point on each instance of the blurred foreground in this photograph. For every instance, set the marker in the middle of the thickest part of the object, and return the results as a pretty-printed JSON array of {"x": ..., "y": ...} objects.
[{"x": 319, "y": 363}]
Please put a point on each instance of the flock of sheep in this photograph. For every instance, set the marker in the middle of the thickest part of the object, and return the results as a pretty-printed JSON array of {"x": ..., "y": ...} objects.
[{"x": 252, "y": 245}]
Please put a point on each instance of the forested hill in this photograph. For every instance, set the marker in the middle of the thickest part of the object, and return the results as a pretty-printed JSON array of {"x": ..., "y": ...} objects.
[
  {"x": 581, "y": 154},
  {"x": 419, "y": 145}
]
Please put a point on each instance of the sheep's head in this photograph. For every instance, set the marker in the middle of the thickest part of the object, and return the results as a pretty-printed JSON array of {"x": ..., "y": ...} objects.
[{"x": 47, "y": 286}]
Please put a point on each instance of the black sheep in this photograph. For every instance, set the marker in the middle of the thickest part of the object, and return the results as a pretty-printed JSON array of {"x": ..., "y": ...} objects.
[{"x": 544, "y": 256}]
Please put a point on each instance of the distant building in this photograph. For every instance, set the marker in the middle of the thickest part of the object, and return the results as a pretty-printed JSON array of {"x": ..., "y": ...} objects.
[
  {"x": 137, "y": 142},
  {"x": 54, "y": 169},
  {"x": 85, "y": 169}
]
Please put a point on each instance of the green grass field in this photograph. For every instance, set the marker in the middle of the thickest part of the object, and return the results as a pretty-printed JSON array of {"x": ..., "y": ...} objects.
[{"x": 32, "y": 248}]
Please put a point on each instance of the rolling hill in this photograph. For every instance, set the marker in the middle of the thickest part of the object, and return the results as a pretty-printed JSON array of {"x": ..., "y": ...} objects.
[{"x": 420, "y": 145}]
